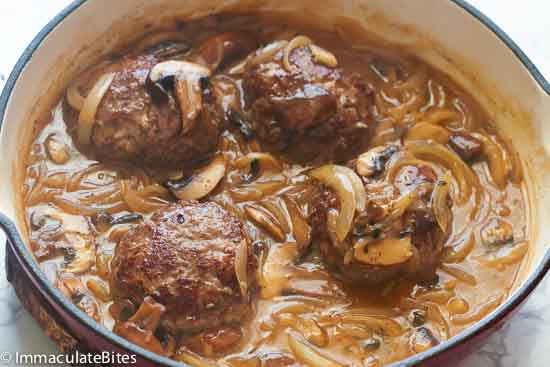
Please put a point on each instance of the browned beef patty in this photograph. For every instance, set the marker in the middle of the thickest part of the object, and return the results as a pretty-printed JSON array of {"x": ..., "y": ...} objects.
[
  {"x": 184, "y": 257},
  {"x": 311, "y": 100},
  {"x": 131, "y": 126}
]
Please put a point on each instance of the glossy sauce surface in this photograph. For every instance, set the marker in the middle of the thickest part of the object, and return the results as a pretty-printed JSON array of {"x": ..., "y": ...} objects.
[{"x": 299, "y": 301}]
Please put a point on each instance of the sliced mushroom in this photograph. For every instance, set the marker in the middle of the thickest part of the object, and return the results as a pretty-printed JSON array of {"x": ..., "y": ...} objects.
[
  {"x": 148, "y": 314},
  {"x": 126, "y": 218},
  {"x": 200, "y": 183},
  {"x": 244, "y": 126},
  {"x": 380, "y": 324},
  {"x": 74, "y": 290},
  {"x": 466, "y": 146},
  {"x": 497, "y": 232},
  {"x": 423, "y": 339},
  {"x": 57, "y": 151},
  {"x": 184, "y": 78},
  {"x": 45, "y": 223},
  {"x": 266, "y": 220},
  {"x": 83, "y": 257},
  {"x": 389, "y": 251},
  {"x": 99, "y": 288},
  {"x": 254, "y": 171},
  {"x": 102, "y": 221},
  {"x": 140, "y": 328},
  {"x": 374, "y": 161}
]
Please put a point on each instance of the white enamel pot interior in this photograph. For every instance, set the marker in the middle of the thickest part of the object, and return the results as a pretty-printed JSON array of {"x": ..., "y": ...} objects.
[{"x": 449, "y": 34}]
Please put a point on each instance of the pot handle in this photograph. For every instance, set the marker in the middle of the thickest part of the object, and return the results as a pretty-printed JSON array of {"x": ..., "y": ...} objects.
[{"x": 30, "y": 296}]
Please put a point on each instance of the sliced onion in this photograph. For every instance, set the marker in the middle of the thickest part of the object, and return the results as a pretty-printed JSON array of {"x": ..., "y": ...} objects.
[
  {"x": 300, "y": 227},
  {"x": 459, "y": 273},
  {"x": 266, "y": 161},
  {"x": 496, "y": 158},
  {"x": 426, "y": 131},
  {"x": 457, "y": 252},
  {"x": 439, "y": 296},
  {"x": 479, "y": 313},
  {"x": 241, "y": 260},
  {"x": 255, "y": 191},
  {"x": 322, "y": 56},
  {"x": 202, "y": 182},
  {"x": 264, "y": 219},
  {"x": 103, "y": 195},
  {"x": 399, "y": 206},
  {"x": 56, "y": 180},
  {"x": 139, "y": 204},
  {"x": 440, "y": 116},
  {"x": 312, "y": 332},
  {"x": 442, "y": 212},
  {"x": 296, "y": 42},
  {"x": 307, "y": 355},
  {"x": 383, "y": 324},
  {"x": 86, "y": 118},
  {"x": 277, "y": 207},
  {"x": 513, "y": 256},
  {"x": 77, "y": 208},
  {"x": 295, "y": 307},
  {"x": 374, "y": 160},
  {"x": 193, "y": 359},
  {"x": 74, "y": 97},
  {"x": 396, "y": 164},
  {"x": 350, "y": 190},
  {"x": 466, "y": 179},
  {"x": 266, "y": 53},
  {"x": 386, "y": 252},
  {"x": 155, "y": 190},
  {"x": 275, "y": 270}
]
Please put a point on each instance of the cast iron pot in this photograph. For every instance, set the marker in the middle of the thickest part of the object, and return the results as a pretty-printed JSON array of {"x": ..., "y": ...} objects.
[{"x": 450, "y": 34}]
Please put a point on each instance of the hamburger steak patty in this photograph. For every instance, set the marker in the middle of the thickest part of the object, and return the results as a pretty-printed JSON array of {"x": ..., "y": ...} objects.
[
  {"x": 311, "y": 101},
  {"x": 131, "y": 126},
  {"x": 417, "y": 224},
  {"x": 184, "y": 257}
]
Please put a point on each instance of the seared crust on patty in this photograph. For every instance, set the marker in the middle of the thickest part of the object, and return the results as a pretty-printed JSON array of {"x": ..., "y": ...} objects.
[
  {"x": 131, "y": 126},
  {"x": 184, "y": 256}
]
